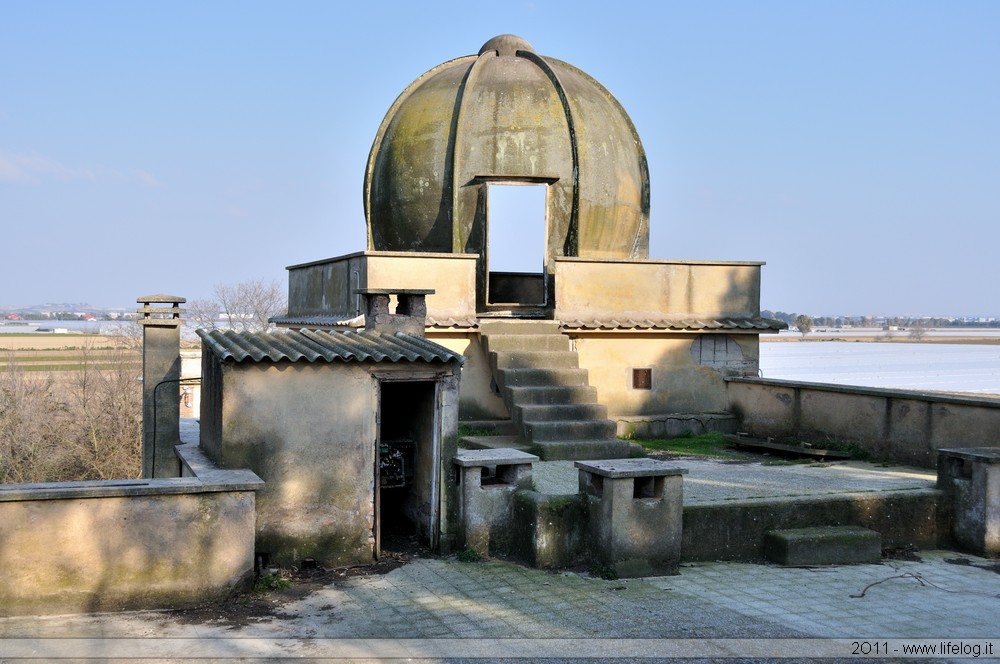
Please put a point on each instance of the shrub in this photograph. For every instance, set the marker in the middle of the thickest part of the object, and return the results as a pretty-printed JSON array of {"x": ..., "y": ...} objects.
[{"x": 86, "y": 424}]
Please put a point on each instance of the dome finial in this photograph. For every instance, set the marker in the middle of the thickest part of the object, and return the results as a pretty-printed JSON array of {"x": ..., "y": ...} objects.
[{"x": 506, "y": 45}]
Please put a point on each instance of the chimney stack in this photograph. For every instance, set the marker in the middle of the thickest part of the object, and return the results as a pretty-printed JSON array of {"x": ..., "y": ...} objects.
[
  {"x": 161, "y": 372},
  {"x": 410, "y": 315}
]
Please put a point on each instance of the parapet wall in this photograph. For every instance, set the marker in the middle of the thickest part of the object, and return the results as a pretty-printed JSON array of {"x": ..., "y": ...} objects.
[
  {"x": 898, "y": 425},
  {"x": 71, "y": 547},
  {"x": 594, "y": 289}
]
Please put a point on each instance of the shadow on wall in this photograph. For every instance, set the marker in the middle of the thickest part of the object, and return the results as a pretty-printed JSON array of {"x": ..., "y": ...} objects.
[
  {"x": 646, "y": 374},
  {"x": 902, "y": 426},
  {"x": 100, "y": 546}
]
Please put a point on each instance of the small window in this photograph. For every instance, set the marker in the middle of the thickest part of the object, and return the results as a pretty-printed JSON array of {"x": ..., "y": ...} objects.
[{"x": 642, "y": 379}]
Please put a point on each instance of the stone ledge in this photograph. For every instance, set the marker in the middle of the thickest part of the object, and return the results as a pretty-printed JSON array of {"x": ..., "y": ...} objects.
[
  {"x": 493, "y": 457},
  {"x": 207, "y": 479},
  {"x": 616, "y": 468},
  {"x": 823, "y": 545}
]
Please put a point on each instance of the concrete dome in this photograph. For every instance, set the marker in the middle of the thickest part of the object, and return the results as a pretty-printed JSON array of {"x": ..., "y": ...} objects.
[{"x": 507, "y": 115}]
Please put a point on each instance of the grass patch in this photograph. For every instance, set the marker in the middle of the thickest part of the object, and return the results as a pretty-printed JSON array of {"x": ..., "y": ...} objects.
[
  {"x": 266, "y": 584},
  {"x": 465, "y": 430},
  {"x": 857, "y": 452},
  {"x": 706, "y": 445},
  {"x": 791, "y": 462},
  {"x": 469, "y": 556},
  {"x": 603, "y": 571}
]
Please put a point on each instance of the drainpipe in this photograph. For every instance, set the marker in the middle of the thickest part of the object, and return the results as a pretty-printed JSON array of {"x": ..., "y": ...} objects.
[
  {"x": 160, "y": 317},
  {"x": 357, "y": 296}
]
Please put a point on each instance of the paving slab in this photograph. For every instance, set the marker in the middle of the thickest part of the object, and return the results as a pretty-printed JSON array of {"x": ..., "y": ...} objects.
[
  {"x": 713, "y": 481},
  {"x": 445, "y": 610}
]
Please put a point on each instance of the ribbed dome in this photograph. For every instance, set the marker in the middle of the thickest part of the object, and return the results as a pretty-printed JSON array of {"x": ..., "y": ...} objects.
[{"x": 507, "y": 115}]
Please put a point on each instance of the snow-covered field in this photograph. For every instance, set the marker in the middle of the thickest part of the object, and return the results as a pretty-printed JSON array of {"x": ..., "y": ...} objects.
[{"x": 947, "y": 367}]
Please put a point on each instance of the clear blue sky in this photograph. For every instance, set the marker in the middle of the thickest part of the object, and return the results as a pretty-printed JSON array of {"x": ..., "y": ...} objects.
[{"x": 151, "y": 147}]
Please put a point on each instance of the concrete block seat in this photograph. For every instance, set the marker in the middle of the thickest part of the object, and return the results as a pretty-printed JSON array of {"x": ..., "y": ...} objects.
[{"x": 823, "y": 545}]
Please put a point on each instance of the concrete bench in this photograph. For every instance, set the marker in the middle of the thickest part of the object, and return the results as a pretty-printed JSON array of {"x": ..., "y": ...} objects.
[{"x": 823, "y": 545}]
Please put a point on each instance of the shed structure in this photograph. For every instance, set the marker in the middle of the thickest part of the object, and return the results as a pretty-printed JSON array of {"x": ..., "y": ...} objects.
[{"x": 352, "y": 432}]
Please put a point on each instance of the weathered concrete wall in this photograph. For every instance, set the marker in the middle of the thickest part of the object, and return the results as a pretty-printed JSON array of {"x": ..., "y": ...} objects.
[
  {"x": 971, "y": 477},
  {"x": 898, "y": 425},
  {"x": 589, "y": 289},
  {"x": 310, "y": 433},
  {"x": 674, "y": 425},
  {"x": 680, "y": 383},
  {"x": 309, "y": 430},
  {"x": 549, "y": 531},
  {"x": 325, "y": 288},
  {"x": 735, "y": 530},
  {"x": 107, "y": 546}
]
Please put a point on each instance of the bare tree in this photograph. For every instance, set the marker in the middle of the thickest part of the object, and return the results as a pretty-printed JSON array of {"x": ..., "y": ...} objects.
[
  {"x": 29, "y": 419},
  {"x": 246, "y": 306},
  {"x": 804, "y": 323},
  {"x": 85, "y": 424},
  {"x": 203, "y": 314},
  {"x": 105, "y": 398},
  {"x": 918, "y": 330}
]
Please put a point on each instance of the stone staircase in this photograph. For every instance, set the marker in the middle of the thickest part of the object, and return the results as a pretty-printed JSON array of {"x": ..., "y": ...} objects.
[{"x": 552, "y": 406}]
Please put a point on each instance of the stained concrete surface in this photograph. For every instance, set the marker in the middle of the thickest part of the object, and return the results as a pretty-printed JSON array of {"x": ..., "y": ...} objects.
[
  {"x": 435, "y": 609},
  {"x": 446, "y": 610},
  {"x": 712, "y": 481}
]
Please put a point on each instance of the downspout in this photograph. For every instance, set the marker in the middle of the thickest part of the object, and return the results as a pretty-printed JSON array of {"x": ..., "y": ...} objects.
[{"x": 435, "y": 527}]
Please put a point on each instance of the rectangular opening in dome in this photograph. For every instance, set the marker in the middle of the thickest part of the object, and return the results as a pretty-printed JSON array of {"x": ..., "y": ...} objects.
[{"x": 516, "y": 242}]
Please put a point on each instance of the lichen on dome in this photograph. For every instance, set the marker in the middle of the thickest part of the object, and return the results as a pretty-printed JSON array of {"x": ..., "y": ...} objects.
[
  {"x": 506, "y": 45},
  {"x": 491, "y": 118}
]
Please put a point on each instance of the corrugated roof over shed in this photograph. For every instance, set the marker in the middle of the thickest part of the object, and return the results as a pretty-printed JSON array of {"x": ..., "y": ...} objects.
[
  {"x": 757, "y": 324},
  {"x": 326, "y": 346}
]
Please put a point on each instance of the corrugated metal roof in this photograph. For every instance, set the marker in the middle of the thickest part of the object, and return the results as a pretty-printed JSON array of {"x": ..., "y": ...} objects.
[
  {"x": 315, "y": 346},
  {"x": 464, "y": 323},
  {"x": 758, "y": 324}
]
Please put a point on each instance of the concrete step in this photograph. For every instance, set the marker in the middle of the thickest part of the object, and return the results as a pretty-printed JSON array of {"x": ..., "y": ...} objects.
[
  {"x": 526, "y": 342},
  {"x": 504, "y": 326},
  {"x": 823, "y": 545},
  {"x": 580, "y": 450},
  {"x": 569, "y": 412},
  {"x": 569, "y": 431},
  {"x": 570, "y": 377},
  {"x": 493, "y": 443},
  {"x": 531, "y": 359},
  {"x": 553, "y": 394},
  {"x": 511, "y": 378}
]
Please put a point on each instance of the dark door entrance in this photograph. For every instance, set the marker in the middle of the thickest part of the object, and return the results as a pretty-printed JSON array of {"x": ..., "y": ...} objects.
[{"x": 406, "y": 460}]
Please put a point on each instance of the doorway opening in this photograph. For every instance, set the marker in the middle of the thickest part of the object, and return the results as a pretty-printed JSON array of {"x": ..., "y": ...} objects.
[
  {"x": 406, "y": 459},
  {"x": 516, "y": 234}
]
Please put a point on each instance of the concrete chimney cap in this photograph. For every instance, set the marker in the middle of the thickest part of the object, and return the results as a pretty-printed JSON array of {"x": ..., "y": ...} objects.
[{"x": 172, "y": 299}]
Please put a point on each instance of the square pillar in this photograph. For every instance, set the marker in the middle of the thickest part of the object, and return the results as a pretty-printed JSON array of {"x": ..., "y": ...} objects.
[
  {"x": 972, "y": 477},
  {"x": 634, "y": 510},
  {"x": 160, "y": 317},
  {"x": 487, "y": 480}
]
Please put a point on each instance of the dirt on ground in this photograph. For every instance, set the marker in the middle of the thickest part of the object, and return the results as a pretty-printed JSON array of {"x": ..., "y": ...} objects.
[{"x": 271, "y": 592}]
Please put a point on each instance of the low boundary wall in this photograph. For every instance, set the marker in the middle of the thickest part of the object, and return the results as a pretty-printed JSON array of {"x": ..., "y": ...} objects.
[
  {"x": 903, "y": 426},
  {"x": 73, "y": 547},
  {"x": 735, "y": 530}
]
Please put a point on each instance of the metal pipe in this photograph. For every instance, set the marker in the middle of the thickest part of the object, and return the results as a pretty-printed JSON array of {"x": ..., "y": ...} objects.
[
  {"x": 436, "y": 461},
  {"x": 152, "y": 459}
]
